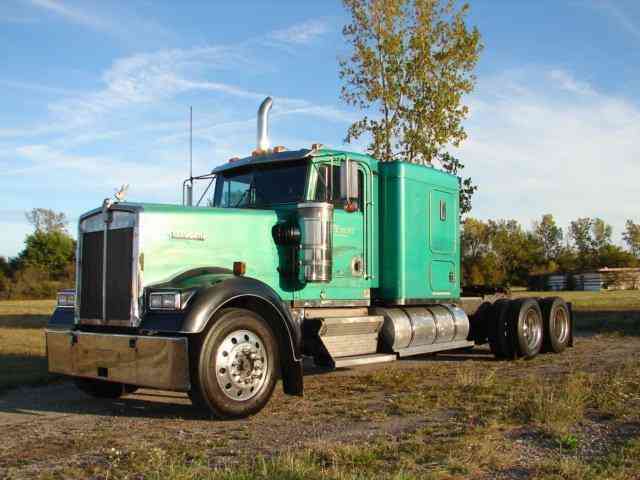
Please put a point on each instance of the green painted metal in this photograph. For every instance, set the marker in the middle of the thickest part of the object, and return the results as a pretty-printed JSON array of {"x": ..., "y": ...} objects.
[
  {"x": 175, "y": 239},
  {"x": 419, "y": 233},
  {"x": 407, "y": 240}
]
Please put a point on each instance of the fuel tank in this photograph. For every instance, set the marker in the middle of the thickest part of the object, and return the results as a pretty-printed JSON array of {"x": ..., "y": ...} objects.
[{"x": 409, "y": 328}]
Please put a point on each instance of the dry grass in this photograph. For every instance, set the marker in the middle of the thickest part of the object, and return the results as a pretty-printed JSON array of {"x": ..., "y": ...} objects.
[
  {"x": 464, "y": 430},
  {"x": 22, "y": 348}
]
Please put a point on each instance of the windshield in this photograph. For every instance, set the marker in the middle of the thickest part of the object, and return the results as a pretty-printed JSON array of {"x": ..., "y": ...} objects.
[{"x": 261, "y": 185}]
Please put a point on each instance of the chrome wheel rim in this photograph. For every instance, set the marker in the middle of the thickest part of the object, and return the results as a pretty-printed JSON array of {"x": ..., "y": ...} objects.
[
  {"x": 532, "y": 329},
  {"x": 560, "y": 325},
  {"x": 241, "y": 365}
]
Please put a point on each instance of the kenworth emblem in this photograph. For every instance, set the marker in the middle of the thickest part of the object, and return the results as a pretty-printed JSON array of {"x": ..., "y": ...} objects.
[{"x": 188, "y": 236}]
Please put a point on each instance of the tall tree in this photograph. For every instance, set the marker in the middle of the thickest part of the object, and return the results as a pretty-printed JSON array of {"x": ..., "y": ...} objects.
[
  {"x": 601, "y": 234},
  {"x": 547, "y": 232},
  {"x": 5, "y": 268},
  {"x": 45, "y": 220},
  {"x": 631, "y": 236},
  {"x": 580, "y": 233},
  {"x": 412, "y": 63}
]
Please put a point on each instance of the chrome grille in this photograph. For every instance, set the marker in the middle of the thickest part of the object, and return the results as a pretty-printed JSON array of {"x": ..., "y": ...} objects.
[{"x": 107, "y": 286}]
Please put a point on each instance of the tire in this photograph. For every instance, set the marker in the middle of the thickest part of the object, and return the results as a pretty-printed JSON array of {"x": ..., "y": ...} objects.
[
  {"x": 525, "y": 327},
  {"x": 237, "y": 365},
  {"x": 99, "y": 388},
  {"x": 497, "y": 332},
  {"x": 557, "y": 324},
  {"x": 479, "y": 324}
]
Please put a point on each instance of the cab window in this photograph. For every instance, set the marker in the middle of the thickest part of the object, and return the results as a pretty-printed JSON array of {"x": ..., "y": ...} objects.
[{"x": 328, "y": 186}]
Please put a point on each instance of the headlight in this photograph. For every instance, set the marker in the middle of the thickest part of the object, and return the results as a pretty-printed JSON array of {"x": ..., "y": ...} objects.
[
  {"x": 168, "y": 300},
  {"x": 66, "y": 299},
  {"x": 164, "y": 301}
]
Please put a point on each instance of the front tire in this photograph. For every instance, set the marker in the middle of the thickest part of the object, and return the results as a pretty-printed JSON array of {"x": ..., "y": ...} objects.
[{"x": 237, "y": 365}]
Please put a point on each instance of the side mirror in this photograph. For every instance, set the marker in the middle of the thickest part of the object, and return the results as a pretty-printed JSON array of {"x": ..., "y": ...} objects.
[{"x": 349, "y": 181}]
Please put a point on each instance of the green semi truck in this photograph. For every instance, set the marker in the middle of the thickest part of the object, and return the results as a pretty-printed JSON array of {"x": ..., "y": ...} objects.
[{"x": 315, "y": 254}]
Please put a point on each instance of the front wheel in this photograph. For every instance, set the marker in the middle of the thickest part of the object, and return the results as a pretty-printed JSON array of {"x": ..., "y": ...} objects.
[{"x": 237, "y": 364}]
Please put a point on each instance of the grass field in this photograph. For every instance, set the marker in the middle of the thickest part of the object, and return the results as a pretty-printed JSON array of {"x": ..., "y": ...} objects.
[
  {"x": 615, "y": 300},
  {"x": 22, "y": 348}
]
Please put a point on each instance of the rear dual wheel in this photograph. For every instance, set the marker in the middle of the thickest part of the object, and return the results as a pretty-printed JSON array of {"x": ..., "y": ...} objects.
[
  {"x": 557, "y": 324},
  {"x": 515, "y": 328}
]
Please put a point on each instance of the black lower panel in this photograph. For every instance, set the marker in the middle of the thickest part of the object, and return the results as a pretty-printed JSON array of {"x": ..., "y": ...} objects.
[
  {"x": 91, "y": 275},
  {"x": 119, "y": 273}
]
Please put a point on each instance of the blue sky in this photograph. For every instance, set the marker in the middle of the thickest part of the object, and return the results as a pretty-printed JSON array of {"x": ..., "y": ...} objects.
[{"x": 96, "y": 94}]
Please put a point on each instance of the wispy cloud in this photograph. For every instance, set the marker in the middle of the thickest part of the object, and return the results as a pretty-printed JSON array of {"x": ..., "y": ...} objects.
[
  {"x": 72, "y": 14},
  {"x": 17, "y": 19},
  {"x": 301, "y": 34},
  {"x": 37, "y": 88},
  {"x": 618, "y": 14},
  {"x": 567, "y": 82},
  {"x": 125, "y": 24}
]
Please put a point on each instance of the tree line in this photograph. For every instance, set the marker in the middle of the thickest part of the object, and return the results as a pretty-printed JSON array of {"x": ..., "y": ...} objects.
[
  {"x": 502, "y": 252},
  {"x": 46, "y": 264}
]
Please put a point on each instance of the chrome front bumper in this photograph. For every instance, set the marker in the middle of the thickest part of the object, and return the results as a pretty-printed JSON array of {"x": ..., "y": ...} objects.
[{"x": 155, "y": 362}]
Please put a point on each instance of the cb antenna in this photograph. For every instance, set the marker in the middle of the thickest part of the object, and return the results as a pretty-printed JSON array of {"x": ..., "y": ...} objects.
[
  {"x": 187, "y": 186},
  {"x": 191, "y": 143}
]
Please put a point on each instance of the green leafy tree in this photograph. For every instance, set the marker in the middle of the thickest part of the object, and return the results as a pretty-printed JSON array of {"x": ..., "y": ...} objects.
[
  {"x": 518, "y": 251},
  {"x": 613, "y": 256},
  {"x": 4, "y": 272},
  {"x": 631, "y": 236},
  {"x": 50, "y": 252},
  {"x": 412, "y": 62},
  {"x": 5, "y": 268},
  {"x": 549, "y": 235}
]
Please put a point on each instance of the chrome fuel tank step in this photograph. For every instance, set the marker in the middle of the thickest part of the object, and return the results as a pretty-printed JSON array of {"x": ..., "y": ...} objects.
[{"x": 332, "y": 338}]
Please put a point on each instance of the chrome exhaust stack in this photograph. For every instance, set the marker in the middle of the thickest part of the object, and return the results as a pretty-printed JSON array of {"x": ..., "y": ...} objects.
[{"x": 263, "y": 125}]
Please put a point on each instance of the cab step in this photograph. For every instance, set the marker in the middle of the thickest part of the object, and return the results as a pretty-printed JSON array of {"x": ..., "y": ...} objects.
[
  {"x": 356, "y": 360},
  {"x": 435, "y": 347}
]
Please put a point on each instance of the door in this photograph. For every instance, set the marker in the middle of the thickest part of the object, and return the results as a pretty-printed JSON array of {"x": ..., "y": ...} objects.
[
  {"x": 442, "y": 242},
  {"x": 349, "y": 280}
]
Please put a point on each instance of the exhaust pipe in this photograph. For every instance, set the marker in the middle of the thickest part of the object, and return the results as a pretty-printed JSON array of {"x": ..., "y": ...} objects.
[{"x": 263, "y": 124}]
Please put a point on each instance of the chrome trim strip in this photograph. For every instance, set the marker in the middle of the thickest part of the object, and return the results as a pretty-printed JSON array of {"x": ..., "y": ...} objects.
[
  {"x": 418, "y": 301},
  {"x": 330, "y": 303},
  {"x": 104, "y": 265}
]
